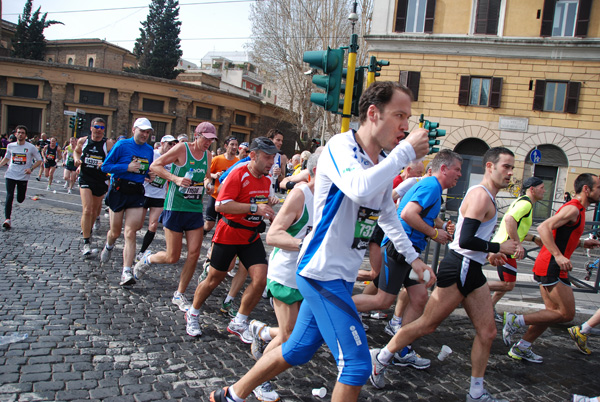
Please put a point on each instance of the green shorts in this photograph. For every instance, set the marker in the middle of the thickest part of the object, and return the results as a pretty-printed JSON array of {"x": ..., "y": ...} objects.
[{"x": 283, "y": 293}]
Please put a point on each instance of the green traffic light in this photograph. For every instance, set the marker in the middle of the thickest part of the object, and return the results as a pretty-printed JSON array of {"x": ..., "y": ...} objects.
[{"x": 331, "y": 61}]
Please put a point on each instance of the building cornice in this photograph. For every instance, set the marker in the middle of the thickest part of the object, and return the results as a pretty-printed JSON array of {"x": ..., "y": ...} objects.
[{"x": 488, "y": 46}]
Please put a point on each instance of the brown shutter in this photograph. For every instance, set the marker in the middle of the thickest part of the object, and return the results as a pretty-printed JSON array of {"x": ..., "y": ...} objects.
[
  {"x": 496, "y": 92},
  {"x": 411, "y": 79},
  {"x": 573, "y": 89},
  {"x": 463, "y": 90},
  {"x": 429, "y": 14},
  {"x": 583, "y": 17},
  {"x": 488, "y": 14},
  {"x": 401, "y": 10},
  {"x": 538, "y": 95},
  {"x": 548, "y": 17}
]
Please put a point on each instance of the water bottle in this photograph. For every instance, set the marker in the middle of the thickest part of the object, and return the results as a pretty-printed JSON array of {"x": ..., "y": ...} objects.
[
  {"x": 188, "y": 175},
  {"x": 12, "y": 338}
]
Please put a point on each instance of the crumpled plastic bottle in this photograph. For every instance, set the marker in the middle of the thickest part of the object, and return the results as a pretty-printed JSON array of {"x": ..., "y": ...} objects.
[{"x": 12, "y": 338}]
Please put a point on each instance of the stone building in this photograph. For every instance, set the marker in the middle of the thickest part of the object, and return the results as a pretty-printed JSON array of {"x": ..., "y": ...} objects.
[{"x": 520, "y": 74}]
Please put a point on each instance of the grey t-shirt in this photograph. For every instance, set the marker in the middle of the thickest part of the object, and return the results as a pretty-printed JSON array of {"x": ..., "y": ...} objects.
[{"x": 21, "y": 157}]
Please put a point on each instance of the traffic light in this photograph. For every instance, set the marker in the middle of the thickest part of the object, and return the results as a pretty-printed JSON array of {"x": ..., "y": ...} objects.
[
  {"x": 331, "y": 61},
  {"x": 72, "y": 122},
  {"x": 375, "y": 65},
  {"x": 79, "y": 123},
  {"x": 434, "y": 133},
  {"x": 359, "y": 82}
]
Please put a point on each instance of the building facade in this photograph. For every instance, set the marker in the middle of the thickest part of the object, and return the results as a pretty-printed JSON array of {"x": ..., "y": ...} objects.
[{"x": 513, "y": 73}]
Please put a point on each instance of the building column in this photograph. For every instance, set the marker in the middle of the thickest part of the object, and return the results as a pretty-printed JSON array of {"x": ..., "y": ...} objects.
[
  {"x": 226, "y": 116},
  {"x": 55, "y": 122},
  {"x": 122, "y": 126},
  {"x": 181, "y": 115}
]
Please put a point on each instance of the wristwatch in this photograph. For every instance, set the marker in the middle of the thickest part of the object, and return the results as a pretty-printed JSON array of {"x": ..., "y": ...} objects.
[{"x": 253, "y": 208}]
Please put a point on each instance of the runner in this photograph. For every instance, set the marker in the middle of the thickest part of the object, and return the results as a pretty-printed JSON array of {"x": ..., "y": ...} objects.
[
  {"x": 460, "y": 277},
  {"x": 41, "y": 144},
  {"x": 22, "y": 158},
  {"x": 51, "y": 154},
  {"x": 276, "y": 173},
  {"x": 183, "y": 206},
  {"x": 70, "y": 171},
  {"x": 89, "y": 155},
  {"x": 128, "y": 162}
]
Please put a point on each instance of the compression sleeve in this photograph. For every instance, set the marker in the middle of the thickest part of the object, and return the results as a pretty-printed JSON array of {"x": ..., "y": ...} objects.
[{"x": 469, "y": 241}]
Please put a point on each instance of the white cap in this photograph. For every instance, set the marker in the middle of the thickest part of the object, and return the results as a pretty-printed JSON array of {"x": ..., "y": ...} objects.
[{"x": 143, "y": 123}]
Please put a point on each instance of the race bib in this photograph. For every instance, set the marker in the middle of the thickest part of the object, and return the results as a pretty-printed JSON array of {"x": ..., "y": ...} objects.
[
  {"x": 158, "y": 182},
  {"x": 261, "y": 199},
  {"x": 50, "y": 157},
  {"x": 93, "y": 161},
  {"x": 194, "y": 191},
  {"x": 19, "y": 159},
  {"x": 366, "y": 221},
  {"x": 144, "y": 164}
]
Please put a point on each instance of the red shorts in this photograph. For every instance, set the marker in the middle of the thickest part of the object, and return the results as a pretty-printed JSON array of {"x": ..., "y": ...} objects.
[{"x": 508, "y": 271}]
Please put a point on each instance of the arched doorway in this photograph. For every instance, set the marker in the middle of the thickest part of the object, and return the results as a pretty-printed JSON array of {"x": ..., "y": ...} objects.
[
  {"x": 472, "y": 150},
  {"x": 549, "y": 170}
]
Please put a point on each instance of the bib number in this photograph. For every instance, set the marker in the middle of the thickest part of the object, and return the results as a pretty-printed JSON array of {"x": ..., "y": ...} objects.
[
  {"x": 144, "y": 164},
  {"x": 194, "y": 191},
  {"x": 366, "y": 221},
  {"x": 93, "y": 162},
  {"x": 19, "y": 159},
  {"x": 158, "y": 182}
]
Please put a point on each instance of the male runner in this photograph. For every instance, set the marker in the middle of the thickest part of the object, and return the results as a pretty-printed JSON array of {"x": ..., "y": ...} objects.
[
  {"x": 51, "y": 154},
  {"x": 70, "y": 173},
  {"x": 22, "y": 158},
  {"x": 243, "y": 150},
  {"x": 352, "y": 189},
  {"x": 183, "y": 206},
  {"x": 560, "y": 235},
  {"x": 460, "y": 277},
  {"x": 128, "y": 162},
  {"x": 41, "y": 144},
  {"x": 244, "y": 202},
  {"x": 515, "y": 224},
  {"x": 90, "y": 153},
  {"x": 277, "y": 173}
]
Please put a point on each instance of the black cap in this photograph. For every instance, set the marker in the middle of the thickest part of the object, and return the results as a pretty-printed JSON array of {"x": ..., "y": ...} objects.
[
  {"x": 263, "y": 144},
  {"x": 531, "y": 182}
]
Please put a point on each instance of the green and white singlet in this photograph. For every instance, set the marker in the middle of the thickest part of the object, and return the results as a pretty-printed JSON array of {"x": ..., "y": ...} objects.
[{"x": 191, "y": 199}]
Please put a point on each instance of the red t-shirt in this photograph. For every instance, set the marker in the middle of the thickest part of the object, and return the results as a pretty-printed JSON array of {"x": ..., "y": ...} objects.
[
  {"x": 397, "y": 180},
  {"x": 241, "y": 187}
]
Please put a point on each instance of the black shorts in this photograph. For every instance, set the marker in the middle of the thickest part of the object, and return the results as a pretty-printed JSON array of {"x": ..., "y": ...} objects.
[
  {"x": 98, "y": 188},
  {"x": 49, "y": 164},
  {"x": 181, "y": 221},
  {"x": 70, "y": 167},
  {"x": 377, "y": 236},
  {"x": 394, "y": 271},
  {"x": 117, "y": 201},
  {"x": 462, "y": 271},
  {"x": 211, "y": 213},
  {"x": 551, "y": 280},
  {"x": 249, "y": 254},
  {"x": 150, "y": 202}
]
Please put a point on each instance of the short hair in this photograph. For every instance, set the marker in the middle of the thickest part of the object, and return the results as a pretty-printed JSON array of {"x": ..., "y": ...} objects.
[
  {"x": 584, "y": 179},
  {"x": 97, "y": 120},
  {"x": 312, "y": 163},
  {"x": 21, "y": 127},
  {"x": 444, "y": 157},
  {"x": 493, "y": 154},
  {"x": 273, "y": 132},
  {"x": 228, "y": 140},
  {"x": 379, "y": 94}
]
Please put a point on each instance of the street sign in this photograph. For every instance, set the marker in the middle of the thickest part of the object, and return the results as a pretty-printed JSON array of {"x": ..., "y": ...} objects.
[
  {"x": 535, "y": 156},
  {"x": 80, "y": 111},
  {"x": 69, "y": 113}
]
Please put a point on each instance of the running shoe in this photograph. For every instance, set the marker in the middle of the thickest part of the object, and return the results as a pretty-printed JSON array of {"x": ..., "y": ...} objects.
[
  {"x": 66, "y": 184},
  {"x": 510, "y": 327},
  {"x": 581, "y": 398},
  {"x": 264, "y": 392},
  {"x": 498, "y": 317},
  {"x": 48, "y": 188},
  {"x": 580, "y": 339},
  {"x": 181, "y": 301},
  {"x": 378, "y": 315},
  {"x": 193, "y": 326},
  {"x": 258, "y": 344},
  {"x": 486, "y": 397},
  {"x": 527, "y": 354},
  {"x": 96, "y": 226},
  {"x": 228, "y": 308},
  {"x": 142, "y": 266},
  {"x": 378, "y": 371},
  {"x": 37, "y": 178},
  {"x": 138, "y": 257},
  {"x": 241, "y": 330},
  {"x": 127, "y": 279},
  {"x": 412, "y": 359},
  {"x": 87, "y": 250},
  {"x": 105, "y": 254},
  {"x": 220, "y": 395},
  {"x": 69, "y": 191},
  {"x": 6, "y": 224},
  {"x": 205, "y": 268},
  {"x": 391, "y": 328}
]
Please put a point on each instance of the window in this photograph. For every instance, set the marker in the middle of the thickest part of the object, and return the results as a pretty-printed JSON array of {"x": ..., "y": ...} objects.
[
  {"x": 480, "y": 91},
  {"x": 91, "y": 97},
  {"x": 50, "y": 60},
  {"x": 160, "y": 128},
  {"x": 91, "y": 62},
  {"x": 26, "y": 90},
  {"x": 414, "y": 16},
  {"x": 566, "y": 18},
  {"x": 269, "y": 95},
  {"x": 240, "y": 119},
  {"x": 70, "y": 61},
  {"x": 153, "y": 105},
  {"x": 204, "y": 113},
  {"x": 411, "y": 79},
  {"x": 486, "y": 19},
  {"x": 556, "y": 96}
]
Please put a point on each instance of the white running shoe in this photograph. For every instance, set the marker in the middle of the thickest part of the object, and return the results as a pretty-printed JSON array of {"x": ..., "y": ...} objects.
[
  {"x": 181, "y": 301},
  {"x": 142, "y": 266},
  {"x": 87, "y": 250},
  {"x": 105, "y": 254},
  {"x": 241, "y": 330},
  {"x": 264, "y": 392},
  {"x": 193, "y": 326},
  {"x": 127, "y": 279}
]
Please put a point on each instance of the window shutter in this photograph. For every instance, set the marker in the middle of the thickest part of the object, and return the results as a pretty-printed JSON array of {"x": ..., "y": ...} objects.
[
  {"x": 496, "y": 92},
  {"x": 429, "y": 14},
  {"x": 583, "y": 18},
  {"x": 401, "y": 10},
  {"x": 488, "y": 14},
  {"x": 463, "y": 90},
  {"x": 538, "y": 95},
  {"x": 414, "y": 78},
  {"x": 548, "y": 17},
  {"x": 573, "y": 89}
]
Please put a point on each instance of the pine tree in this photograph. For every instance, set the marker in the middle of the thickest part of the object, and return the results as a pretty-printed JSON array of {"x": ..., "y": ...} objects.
[
  {"x": 158, "y": 48},
  {"x": 30, "y": 42}
]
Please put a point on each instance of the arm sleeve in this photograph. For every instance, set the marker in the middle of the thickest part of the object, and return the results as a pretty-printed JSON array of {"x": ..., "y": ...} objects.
[
  {"x": 359, "y": 184},
  {"x": 110, "y": 164},
  {"x": 469, "y": 241},
  {"x": 392, "y": 227}
]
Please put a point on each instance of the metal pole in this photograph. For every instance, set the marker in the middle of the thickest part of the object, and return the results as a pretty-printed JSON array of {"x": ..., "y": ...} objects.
[{"x": 349, "y": 83}]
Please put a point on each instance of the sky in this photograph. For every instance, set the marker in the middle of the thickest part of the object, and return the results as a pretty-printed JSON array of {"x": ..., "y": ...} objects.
[{"x": 206, "y": 25}]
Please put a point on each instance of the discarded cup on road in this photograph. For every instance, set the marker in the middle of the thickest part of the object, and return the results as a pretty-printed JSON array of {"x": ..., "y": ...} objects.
[
  {"x": 445, "y": 352},
  {"x": 319, "y": 392}
]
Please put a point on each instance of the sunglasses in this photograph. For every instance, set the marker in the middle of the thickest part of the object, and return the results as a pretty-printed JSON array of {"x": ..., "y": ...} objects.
[{"x": 97, "y": 127}]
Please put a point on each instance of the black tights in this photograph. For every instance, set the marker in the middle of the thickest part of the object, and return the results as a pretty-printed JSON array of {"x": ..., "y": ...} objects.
[{"x": 21, "y": 186}]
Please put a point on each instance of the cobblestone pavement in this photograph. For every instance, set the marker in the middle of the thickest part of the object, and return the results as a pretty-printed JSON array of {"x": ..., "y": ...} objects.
[{"x": 90, "y": 339}]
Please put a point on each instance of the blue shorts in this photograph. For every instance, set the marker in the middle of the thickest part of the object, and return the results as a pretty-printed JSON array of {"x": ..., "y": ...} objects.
[
  {"x": 179, "y": 221},
  {"x": 329, "y": 314},
  {"x": 117, "y": 201}
]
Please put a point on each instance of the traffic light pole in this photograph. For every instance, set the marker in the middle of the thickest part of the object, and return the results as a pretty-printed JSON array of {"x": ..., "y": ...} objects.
[
  {"x": 349, "y": 83},
  {"x": 371, "y": 72}
]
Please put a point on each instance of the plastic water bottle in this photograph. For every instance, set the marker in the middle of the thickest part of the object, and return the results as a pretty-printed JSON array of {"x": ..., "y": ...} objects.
[
  {"x": 188, "y": 175},
  {"x": 12, "y": 338}
]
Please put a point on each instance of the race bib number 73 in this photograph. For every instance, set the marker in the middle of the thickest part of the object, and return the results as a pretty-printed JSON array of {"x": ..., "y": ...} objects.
[{"x": 366, "y": 221}]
